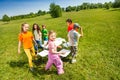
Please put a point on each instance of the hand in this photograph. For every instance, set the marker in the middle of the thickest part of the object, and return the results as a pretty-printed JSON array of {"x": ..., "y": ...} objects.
[
  {"x": 59, "y": 47},
  {"x": 62, "y": 53},
  {"x": 36, "y": 44}
]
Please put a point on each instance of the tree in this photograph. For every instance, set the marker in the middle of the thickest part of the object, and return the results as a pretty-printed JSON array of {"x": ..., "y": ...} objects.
[
  {"x": 63, "y": 9},
  {"x": 55, "y": 10},
  {"x": 68, "y": 9},
  {"x": 31, "y": 14},
  {"x": 5, "y": 18},
  {"x": 108, "y": 5},
  {"x": 78, "y": 8},
  {"x": 85, "y": 6},
  {"x": 40, "y": 12},
  {"x": 116, "y": 4},
  {"x": 99, "y": 5}
]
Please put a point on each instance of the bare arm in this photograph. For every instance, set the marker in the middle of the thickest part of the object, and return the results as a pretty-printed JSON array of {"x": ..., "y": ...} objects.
[
  {"x": 19, "y": 46},
  {"x": 34, "y": 41},
  {"x": 55, "y": 52},
  {"x": 81, "y": 31},
  {"x": 59, "y": 47}
]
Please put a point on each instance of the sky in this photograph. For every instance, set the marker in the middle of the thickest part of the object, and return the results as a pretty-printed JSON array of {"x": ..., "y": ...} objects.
[{"x": 18, "y": 7}]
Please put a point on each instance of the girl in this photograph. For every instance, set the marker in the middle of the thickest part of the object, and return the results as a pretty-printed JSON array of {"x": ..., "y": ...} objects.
[
  {"x": 53, "y": 56},
  {"x": 37, "y": 35},
  {"x": 26, "y": 38}
]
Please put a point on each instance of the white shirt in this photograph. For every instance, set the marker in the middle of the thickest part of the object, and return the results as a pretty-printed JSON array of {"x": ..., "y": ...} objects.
[
  {"x": 73, "y": 37},
  {"x": 37, "y": 36}
]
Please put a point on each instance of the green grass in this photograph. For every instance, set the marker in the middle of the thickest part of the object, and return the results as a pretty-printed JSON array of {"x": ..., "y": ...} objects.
[{"x": 98, "y": 51}]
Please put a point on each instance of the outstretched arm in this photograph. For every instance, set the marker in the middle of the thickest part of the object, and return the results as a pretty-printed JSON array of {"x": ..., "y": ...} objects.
[
  {"x": 81, "y": 31},
  {"x": 19, "y": 46},
  {"x": 55, "y": 52}
]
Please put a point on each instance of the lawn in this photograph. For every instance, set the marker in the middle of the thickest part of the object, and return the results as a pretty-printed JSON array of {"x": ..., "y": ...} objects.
[{"x": 98, "y": 51}]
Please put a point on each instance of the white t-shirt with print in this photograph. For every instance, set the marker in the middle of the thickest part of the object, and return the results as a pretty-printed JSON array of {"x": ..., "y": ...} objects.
[{"x": 73, "y": 37}]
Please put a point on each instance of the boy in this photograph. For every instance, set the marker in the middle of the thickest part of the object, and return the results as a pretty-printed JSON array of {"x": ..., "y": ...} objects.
[
  {"x": 70, "y": 24},
  {"x": 44, "y": 34},
  {"x": 73, "y": 40}
]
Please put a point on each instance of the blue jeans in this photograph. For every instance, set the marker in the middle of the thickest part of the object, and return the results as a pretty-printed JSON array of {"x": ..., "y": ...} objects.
[{"x": 39, "y": 43}]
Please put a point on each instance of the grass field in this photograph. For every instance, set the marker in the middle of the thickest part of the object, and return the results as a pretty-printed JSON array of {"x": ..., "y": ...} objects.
[{"x": 98, "y": 51}]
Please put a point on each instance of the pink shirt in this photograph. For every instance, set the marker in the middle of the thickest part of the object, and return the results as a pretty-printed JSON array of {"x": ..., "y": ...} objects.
[{"x": 51, "y": 45}]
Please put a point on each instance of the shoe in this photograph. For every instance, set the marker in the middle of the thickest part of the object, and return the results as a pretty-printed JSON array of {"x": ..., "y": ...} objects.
[
  {"x": 32, "y": 69},
  {"x": 73, "y": 61},
  {"x": 61, "y": 72}
]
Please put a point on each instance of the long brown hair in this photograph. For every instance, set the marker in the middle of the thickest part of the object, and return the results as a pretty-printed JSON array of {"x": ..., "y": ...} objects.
[{"x": 38, "y": 28}]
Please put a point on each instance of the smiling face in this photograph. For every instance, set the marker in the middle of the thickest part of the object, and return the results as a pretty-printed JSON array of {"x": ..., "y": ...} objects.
[
  {"x": 68, "y": 23},
  {"x": 52, "y": 36},
  {"x": 25, "y": 27},
  {"x": 35, "y": 26},
  {"x": 43, "y": 27}
]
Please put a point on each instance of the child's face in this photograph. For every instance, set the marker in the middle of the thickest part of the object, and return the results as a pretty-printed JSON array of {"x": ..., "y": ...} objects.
[
  {"x": 68, "y": 23},
  {"x": 25, "y": 27},
  {"x": 43, "y": 27},
  {"x": 52, "y": 36},
  {"x": 35, "y": 26}
]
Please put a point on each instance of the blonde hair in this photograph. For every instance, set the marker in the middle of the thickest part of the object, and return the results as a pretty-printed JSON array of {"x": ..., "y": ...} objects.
[
  {"x": 22, "y": 25},
  {"x": 51, "y": 32}
]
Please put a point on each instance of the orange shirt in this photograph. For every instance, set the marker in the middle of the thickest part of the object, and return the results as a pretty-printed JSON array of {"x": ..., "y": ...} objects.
[
  {"x": 26, "y": 39},
  {"x": 70, "y": 27}
]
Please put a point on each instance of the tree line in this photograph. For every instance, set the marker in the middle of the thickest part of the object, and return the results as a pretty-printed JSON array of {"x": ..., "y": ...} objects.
[
  {"x": 56, "y": 10},
  {"x": 84, "y": 6},
  {"x": 30, "y": 15}
]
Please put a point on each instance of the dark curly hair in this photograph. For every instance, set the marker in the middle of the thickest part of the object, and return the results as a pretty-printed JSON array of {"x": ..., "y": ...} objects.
[{"x": 38, "y": 28}]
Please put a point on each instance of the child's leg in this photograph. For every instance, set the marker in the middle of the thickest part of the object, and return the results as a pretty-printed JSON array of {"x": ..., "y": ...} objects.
[
  {"x": 45, "y": 41},
  {"x": 40, "y": 43},
  {"x": 59, "y": 65},
  {"x": 49, "y": 64},
  {"x": 33, "y": 53},
  {"x": 27, "y": 51},
  {"x": 74, "y": 51},
  {"x": 36, "y": 46}
]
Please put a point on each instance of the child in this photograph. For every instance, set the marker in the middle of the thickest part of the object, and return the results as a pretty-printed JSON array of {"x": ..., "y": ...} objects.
[
  {"x": 44, "y": 34},
  {"x": 70, "y": 24},
  {"x": 26, "y": 38},
  {"x": 73, "y": 40},
  {"x": 37, "y": 35},
  {"x": 53, "y": 56}
]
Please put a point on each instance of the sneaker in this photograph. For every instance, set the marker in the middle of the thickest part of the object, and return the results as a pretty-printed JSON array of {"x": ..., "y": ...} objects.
[
  {"x": 73, "y": 61},
  {"x": 32, "y": 69}
]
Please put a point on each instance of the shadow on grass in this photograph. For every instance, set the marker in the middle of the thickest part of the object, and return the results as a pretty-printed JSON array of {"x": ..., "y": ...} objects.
[
  {"x": 17, "y": 63},
  {"x": 117, "y": 9},
  {"x": 40, "y": 61},
  {"x": 40, "y": 66},
  {"x": 41, "y": 71}
]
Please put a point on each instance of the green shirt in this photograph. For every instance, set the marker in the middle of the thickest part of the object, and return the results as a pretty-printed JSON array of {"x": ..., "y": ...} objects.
[{"x": 44, "y": 33}]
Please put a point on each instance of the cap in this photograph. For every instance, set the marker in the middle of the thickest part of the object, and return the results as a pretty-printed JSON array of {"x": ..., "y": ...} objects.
[{"x": 76, "y": 25}]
